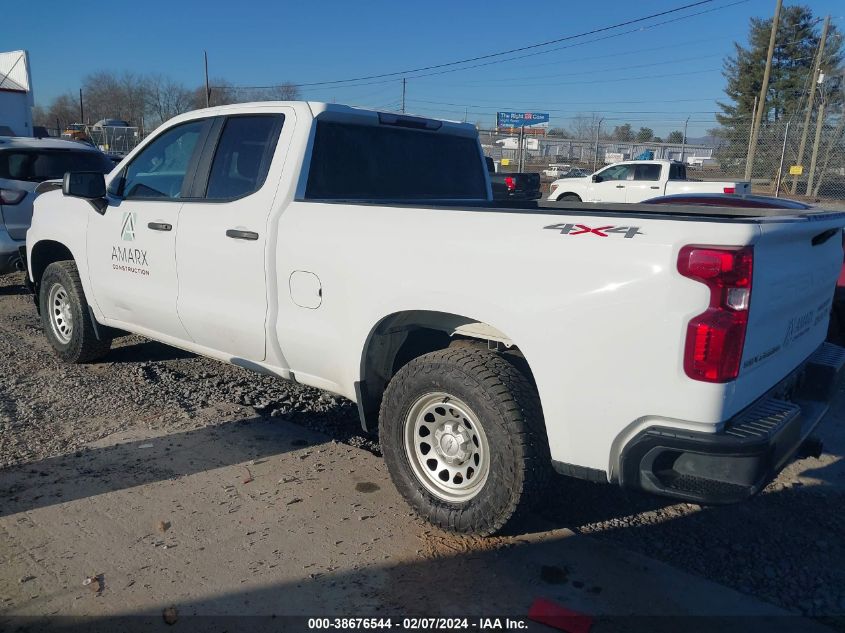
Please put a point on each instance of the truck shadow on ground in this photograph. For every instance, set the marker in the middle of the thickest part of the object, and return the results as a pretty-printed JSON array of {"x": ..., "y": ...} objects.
[
  {"x": 13, "y": 289},
  {"x": 629, "y": 592},
  {"x": 98, "y": 470},
  {"x": 786, "y": 546}
]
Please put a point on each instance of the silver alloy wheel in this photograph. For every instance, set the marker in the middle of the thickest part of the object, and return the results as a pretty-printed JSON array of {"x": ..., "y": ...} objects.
[
  {"x": 447, "y": 447},
  {"x": 61, "y": 317}
]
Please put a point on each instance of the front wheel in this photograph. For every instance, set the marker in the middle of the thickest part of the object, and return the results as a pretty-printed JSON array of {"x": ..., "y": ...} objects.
[
  {"x": 464, "y": 440},
  {"x": 65, "y": 317},
  {"x": 569, "y": 197}
]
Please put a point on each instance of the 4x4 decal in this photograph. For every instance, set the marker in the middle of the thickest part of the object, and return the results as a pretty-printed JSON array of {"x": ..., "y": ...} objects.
[{"x": 600, "y": 231}]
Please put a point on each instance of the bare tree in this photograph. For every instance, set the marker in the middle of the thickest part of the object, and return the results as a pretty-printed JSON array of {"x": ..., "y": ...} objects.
[
  {"x": 61, "y": 112},
  {"x": 223, "y": 92},
  {"x": 107, "y": 95},
  {"x": 166, "y": 98},
  {"x": 584, "y": 126}
]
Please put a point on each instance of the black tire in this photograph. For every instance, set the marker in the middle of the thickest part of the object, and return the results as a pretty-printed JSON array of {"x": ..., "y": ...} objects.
[
  {"x": 78, "y": 343},
  {"x": 507, "y": 407},
  {"x": 569, "y": 197}
]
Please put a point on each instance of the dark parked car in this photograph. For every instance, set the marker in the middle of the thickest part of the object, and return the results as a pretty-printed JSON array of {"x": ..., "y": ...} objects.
[
  {"x": 513, "y": 186},
  {"x": 24, "y": 164}
]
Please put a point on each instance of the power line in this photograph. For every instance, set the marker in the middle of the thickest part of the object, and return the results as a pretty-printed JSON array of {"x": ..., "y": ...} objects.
[
  {"x": 593, "y": 71},
  {"x": 686, "y": 112},
  {"x": 485, "y": 103},
  {"x": 592, "y": 41},
  {"x": 501, "y": 53}
]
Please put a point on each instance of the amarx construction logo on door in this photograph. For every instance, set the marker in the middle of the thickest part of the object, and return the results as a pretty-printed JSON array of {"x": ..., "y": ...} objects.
[{"x": 127, "y": 230}]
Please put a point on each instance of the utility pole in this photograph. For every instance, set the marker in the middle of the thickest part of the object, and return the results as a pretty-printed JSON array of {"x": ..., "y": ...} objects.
[
  {"x": 520, "y": 163},
  {"x": 81, "y": 109},
  {"x": 755, "y": 130},
  {"x": 782, "y": 154},
  {"x": 815, "y": 154},
  {"x": 683, "y": 140},
  {"x": 809, "y": 113},
  {"x": 403, "y": 95},
  {"x": 596, "y": 157},
  {"x": 207, "y": 89},
  {"x": 753, "y": 116}
]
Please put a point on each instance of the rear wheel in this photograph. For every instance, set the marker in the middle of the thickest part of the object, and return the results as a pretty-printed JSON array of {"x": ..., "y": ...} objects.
[
  {"x": 464, "y": 439},
  {"x": 65, "y": 317},
  {"x": 569, "y": 197}
]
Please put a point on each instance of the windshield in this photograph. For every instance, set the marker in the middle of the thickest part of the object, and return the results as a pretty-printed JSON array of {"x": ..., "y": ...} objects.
[{"x": 50, "y": 164}]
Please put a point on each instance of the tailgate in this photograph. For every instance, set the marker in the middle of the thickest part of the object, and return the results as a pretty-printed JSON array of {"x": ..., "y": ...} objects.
[
  {"x": 529, "y": 182},
  {"x": 796, "y": 266}
]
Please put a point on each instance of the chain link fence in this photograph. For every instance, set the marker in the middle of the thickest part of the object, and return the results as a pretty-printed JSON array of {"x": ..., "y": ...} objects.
[
  {"x": 790, "y": 159},
  {"x": 780, "y": 167},
  {"x": 113, "y": 140}
]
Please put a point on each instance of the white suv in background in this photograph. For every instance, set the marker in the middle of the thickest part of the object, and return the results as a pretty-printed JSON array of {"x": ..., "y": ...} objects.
[{"x": 24, "y": 163}]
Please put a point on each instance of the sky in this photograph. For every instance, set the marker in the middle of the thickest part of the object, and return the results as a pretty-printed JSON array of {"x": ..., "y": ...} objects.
[{"x": 647, "y": 73}]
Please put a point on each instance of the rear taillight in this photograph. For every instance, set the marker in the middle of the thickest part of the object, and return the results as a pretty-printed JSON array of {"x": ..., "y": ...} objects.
[
  {"x": 715, "y": 338},
  {"x": 510, "y": 183},
  {"x": 729, "y": 189},
  {"x": 11, "y": 196}
]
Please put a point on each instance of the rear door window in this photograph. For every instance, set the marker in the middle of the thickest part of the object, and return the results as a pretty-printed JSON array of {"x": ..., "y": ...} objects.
[
  {"x": 38, "y": 165},
  {"x": 243, "y": 155},
  {"x": 647, "y": 172},
  {"x": 377, "y": 162},
  {"x": 677, "y": 172}
]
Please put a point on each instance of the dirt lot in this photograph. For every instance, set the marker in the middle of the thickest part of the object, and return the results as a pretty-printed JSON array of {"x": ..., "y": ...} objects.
[{"x": 174, "y": 480}]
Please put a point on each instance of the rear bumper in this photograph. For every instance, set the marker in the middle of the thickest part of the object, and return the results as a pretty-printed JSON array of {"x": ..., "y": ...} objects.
[
  {"x": 517, "y": 195},
  {"x": 10, "y": 260},
  {"x": 748, "y": 452}
]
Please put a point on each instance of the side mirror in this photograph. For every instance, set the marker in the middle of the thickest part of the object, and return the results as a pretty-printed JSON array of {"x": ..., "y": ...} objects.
[
  {"x": 89, "y": 185},
  {"x": 596, "y": 178}
]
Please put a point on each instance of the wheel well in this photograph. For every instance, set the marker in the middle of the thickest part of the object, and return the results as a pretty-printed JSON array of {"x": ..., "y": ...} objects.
[
  {"x": 43, "y": 254},
  {"x": 568, "y": 193},
  {"x": 403, "y": 336}
]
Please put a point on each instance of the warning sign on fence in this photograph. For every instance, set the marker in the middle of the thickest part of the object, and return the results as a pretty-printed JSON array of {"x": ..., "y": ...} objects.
[{"x": 796, "y": 170}]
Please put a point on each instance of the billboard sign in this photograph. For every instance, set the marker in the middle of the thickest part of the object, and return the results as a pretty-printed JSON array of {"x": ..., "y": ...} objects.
[{"x": 521, "y": 119}]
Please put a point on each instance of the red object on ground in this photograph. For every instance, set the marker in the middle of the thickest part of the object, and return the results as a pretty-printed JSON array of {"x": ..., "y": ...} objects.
[{"x": 554, "y": 615}]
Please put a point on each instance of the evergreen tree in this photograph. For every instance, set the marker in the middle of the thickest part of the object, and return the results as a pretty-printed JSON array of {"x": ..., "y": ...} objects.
[
  {"x": 645, "y": 134},
  {"x": 796, "y": 43}
]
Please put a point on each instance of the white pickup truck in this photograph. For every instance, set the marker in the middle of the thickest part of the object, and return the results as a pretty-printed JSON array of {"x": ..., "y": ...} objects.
[
  {"x": 637, "y": 181},
  {"x": 675, "y": 350}
]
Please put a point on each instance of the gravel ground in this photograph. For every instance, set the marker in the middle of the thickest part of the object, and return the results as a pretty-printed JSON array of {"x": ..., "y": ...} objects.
[{"x": 785, "y": 546}]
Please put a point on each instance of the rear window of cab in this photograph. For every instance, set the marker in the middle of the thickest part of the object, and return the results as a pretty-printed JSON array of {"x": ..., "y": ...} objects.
[{"x": 374, "y": 162}]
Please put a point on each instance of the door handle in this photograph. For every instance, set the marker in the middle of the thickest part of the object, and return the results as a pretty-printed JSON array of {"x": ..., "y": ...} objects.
[
  {"x": 241, "y": 235},
  {"x": 620, "y": 186},
  {"x": 160, "y": 226}
]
